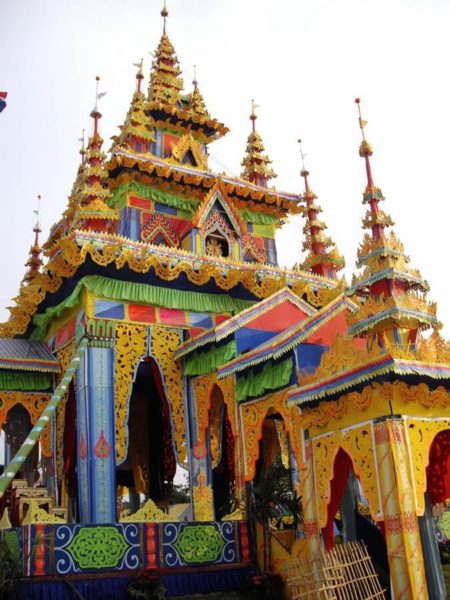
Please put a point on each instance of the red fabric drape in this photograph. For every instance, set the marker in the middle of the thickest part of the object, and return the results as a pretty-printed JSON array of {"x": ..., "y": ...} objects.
[
  {"x": 342, "y": 468},
  {"x": 169, "y": 462},
  {"x": 438, "y": 470}
]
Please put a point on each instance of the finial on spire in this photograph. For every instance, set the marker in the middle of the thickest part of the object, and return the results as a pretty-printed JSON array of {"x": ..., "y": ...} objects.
[
  {"x": 365, "y": 150},
  {"x": 82, "y": 150},
  {"x": 139, "y": 74},
  {"x": 96, "y": 114},
  {"x": 254, "y": 116},
  {"x": 362, "y": 123},
  {"x": 164, "y": 14},
  {"x": 195, "y": 82},
  {"x": 37, "y": 227},
  {"x": 304, "y": 172}
]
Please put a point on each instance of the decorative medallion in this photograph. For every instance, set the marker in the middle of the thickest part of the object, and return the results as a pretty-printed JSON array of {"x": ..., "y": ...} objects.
[
  {"x": 199, "y": 544},
  {"x": 97, "y": 547}
]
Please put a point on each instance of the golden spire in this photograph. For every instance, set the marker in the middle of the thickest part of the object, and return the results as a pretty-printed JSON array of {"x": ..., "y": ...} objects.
[
  {"x": 137, "y": 132},
  {"x": 92, "y": 208},
  {"x": 255, "y": 163},
  {"x": 165, "y": 81},
  {"x": 197, "y": 103},
  {"x": 34, "y": 262},
  {"x": 323, "y": 257},
  {"x": 392, "y": 294}
]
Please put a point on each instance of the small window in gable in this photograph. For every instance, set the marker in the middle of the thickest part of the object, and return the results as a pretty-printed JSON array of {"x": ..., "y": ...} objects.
[
  {"x": 249, "y": 258},
  {"x": 216, "y": 245},
  {"x": 160, "y": 240}
]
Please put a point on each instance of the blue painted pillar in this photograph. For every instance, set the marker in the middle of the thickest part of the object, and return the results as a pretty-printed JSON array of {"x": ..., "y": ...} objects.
[{"x": 96, "y": 436}]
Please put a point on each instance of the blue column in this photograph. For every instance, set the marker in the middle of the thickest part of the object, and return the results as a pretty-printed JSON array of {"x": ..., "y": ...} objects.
[{"x": 96, "y": 437}]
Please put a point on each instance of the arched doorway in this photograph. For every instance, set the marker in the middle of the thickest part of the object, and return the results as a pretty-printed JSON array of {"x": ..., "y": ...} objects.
[
  {"x": 17, "y": 426},
  {"x": 68, "y": 487},
  {"x": 150, "y": 464},
  {"x": 222, "y": 447},
  {"x": 349, "y": 518},
  {"x": 432, "y": 525}
]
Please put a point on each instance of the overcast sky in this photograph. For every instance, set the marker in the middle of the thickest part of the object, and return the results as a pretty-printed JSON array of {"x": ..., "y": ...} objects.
[{"x": 304, "y": 62}]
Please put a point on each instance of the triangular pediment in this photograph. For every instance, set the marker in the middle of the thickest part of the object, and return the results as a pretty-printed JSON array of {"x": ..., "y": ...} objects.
[{"x": 215, "y": 205}]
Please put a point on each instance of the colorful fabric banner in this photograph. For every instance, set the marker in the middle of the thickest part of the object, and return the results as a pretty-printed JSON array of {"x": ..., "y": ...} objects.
[{"x": 3, "y": 96}]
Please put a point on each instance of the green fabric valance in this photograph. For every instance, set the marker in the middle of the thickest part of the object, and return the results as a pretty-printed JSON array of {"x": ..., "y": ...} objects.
[
  {"x": 200, "y": 363},
  {"x": 140, "y": 293},
  {"x": 272, "y": 377},
  {"x": 258, "y": 218},
  {"x": 145, "y": 191},
  {"x": 25, "y": 381}
]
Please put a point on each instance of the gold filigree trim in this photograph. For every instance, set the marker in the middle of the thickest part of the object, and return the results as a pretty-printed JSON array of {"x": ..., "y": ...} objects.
[
  {"x": 131, "y": 346},
  {"x": 37, "y": 515},
  {"x": 149, "y": 513},
  {"x": 164, "y": 342}
]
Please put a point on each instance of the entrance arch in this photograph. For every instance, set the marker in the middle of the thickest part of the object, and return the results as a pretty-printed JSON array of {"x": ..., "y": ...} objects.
[
  {"x": 150, "y": 465},
  {"x": 222, "y": 448}
]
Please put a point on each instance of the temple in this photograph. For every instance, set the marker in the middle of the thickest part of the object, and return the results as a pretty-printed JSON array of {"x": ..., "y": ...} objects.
[{"x": 154, "y": 332}]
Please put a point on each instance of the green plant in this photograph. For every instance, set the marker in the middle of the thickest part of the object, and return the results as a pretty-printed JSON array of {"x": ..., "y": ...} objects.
[
  {"x": 9, "y": 567},
  {"x": 272, "y": 502},
  {"x": 146, "y": 587}
]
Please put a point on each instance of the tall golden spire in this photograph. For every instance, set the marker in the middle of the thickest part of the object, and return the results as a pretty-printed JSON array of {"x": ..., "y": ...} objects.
[
  {"x": 93, "y": 211},
  {"x": 323, "y": 257},
  {"x": 165, "y": 81},
  {"x": 255, "y": 163}
]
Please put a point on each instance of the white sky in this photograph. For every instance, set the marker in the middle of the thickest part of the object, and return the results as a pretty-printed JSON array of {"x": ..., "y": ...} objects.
[{"x": 304, "y": 62}]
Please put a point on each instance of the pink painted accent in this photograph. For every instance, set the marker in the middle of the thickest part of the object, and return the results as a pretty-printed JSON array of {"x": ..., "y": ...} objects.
[{"x": 102, "y": 449}]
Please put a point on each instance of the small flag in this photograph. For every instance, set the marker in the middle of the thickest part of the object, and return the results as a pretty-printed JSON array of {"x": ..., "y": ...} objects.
[
  {"x": 101, "y": 94},
  {"x": 2, "y": 100}
]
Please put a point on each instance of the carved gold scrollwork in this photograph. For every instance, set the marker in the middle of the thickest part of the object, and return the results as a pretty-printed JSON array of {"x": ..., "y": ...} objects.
[
  {"x": 164, "y": 342},
  {"x": 131, "y": 345},
  {"x": 64, "y": 356},
  {"x": 253, "y": 415},
  {"x": 358, "y": 443},
  {"x": 324, "y": 450},
  {"x": 421, "y": 434}
]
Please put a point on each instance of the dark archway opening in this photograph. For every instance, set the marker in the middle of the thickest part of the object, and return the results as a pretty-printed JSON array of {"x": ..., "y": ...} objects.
[
  {"x": 222, "y": 445},
  {"x": 150, "y": 464},
  {"x": 70, "y": 456},
  {"x": 17, "y": 426}
]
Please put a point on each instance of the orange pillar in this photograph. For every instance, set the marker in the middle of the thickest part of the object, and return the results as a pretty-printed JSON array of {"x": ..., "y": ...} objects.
[{"x": 400, "y": 518}]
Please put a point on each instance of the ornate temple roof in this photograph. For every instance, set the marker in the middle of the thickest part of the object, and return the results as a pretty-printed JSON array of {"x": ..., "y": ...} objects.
[
  {"x": 288, "y": 339},
  {"x": 392, "y": 313},
  {"x": 242, "y": 319},
  {"x": 166, "y": 104}
]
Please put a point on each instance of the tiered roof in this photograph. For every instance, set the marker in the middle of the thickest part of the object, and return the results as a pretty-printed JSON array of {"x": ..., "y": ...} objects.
[
  {"x": 256, "y": 163},
  {"x": 138, "y": 127},
  {"x": 393, "y": 310},
  {"x": 323, "y": 257},
  {"x": 167, "y": 106},
  {"x": 92, "y": 210}
]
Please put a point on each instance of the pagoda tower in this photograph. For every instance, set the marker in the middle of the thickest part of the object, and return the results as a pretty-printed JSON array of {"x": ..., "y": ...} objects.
[
  {"x": 322, "y": 257},
  {"x": 255, "y": 162},
  {"x": 374, "y": 393}
]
